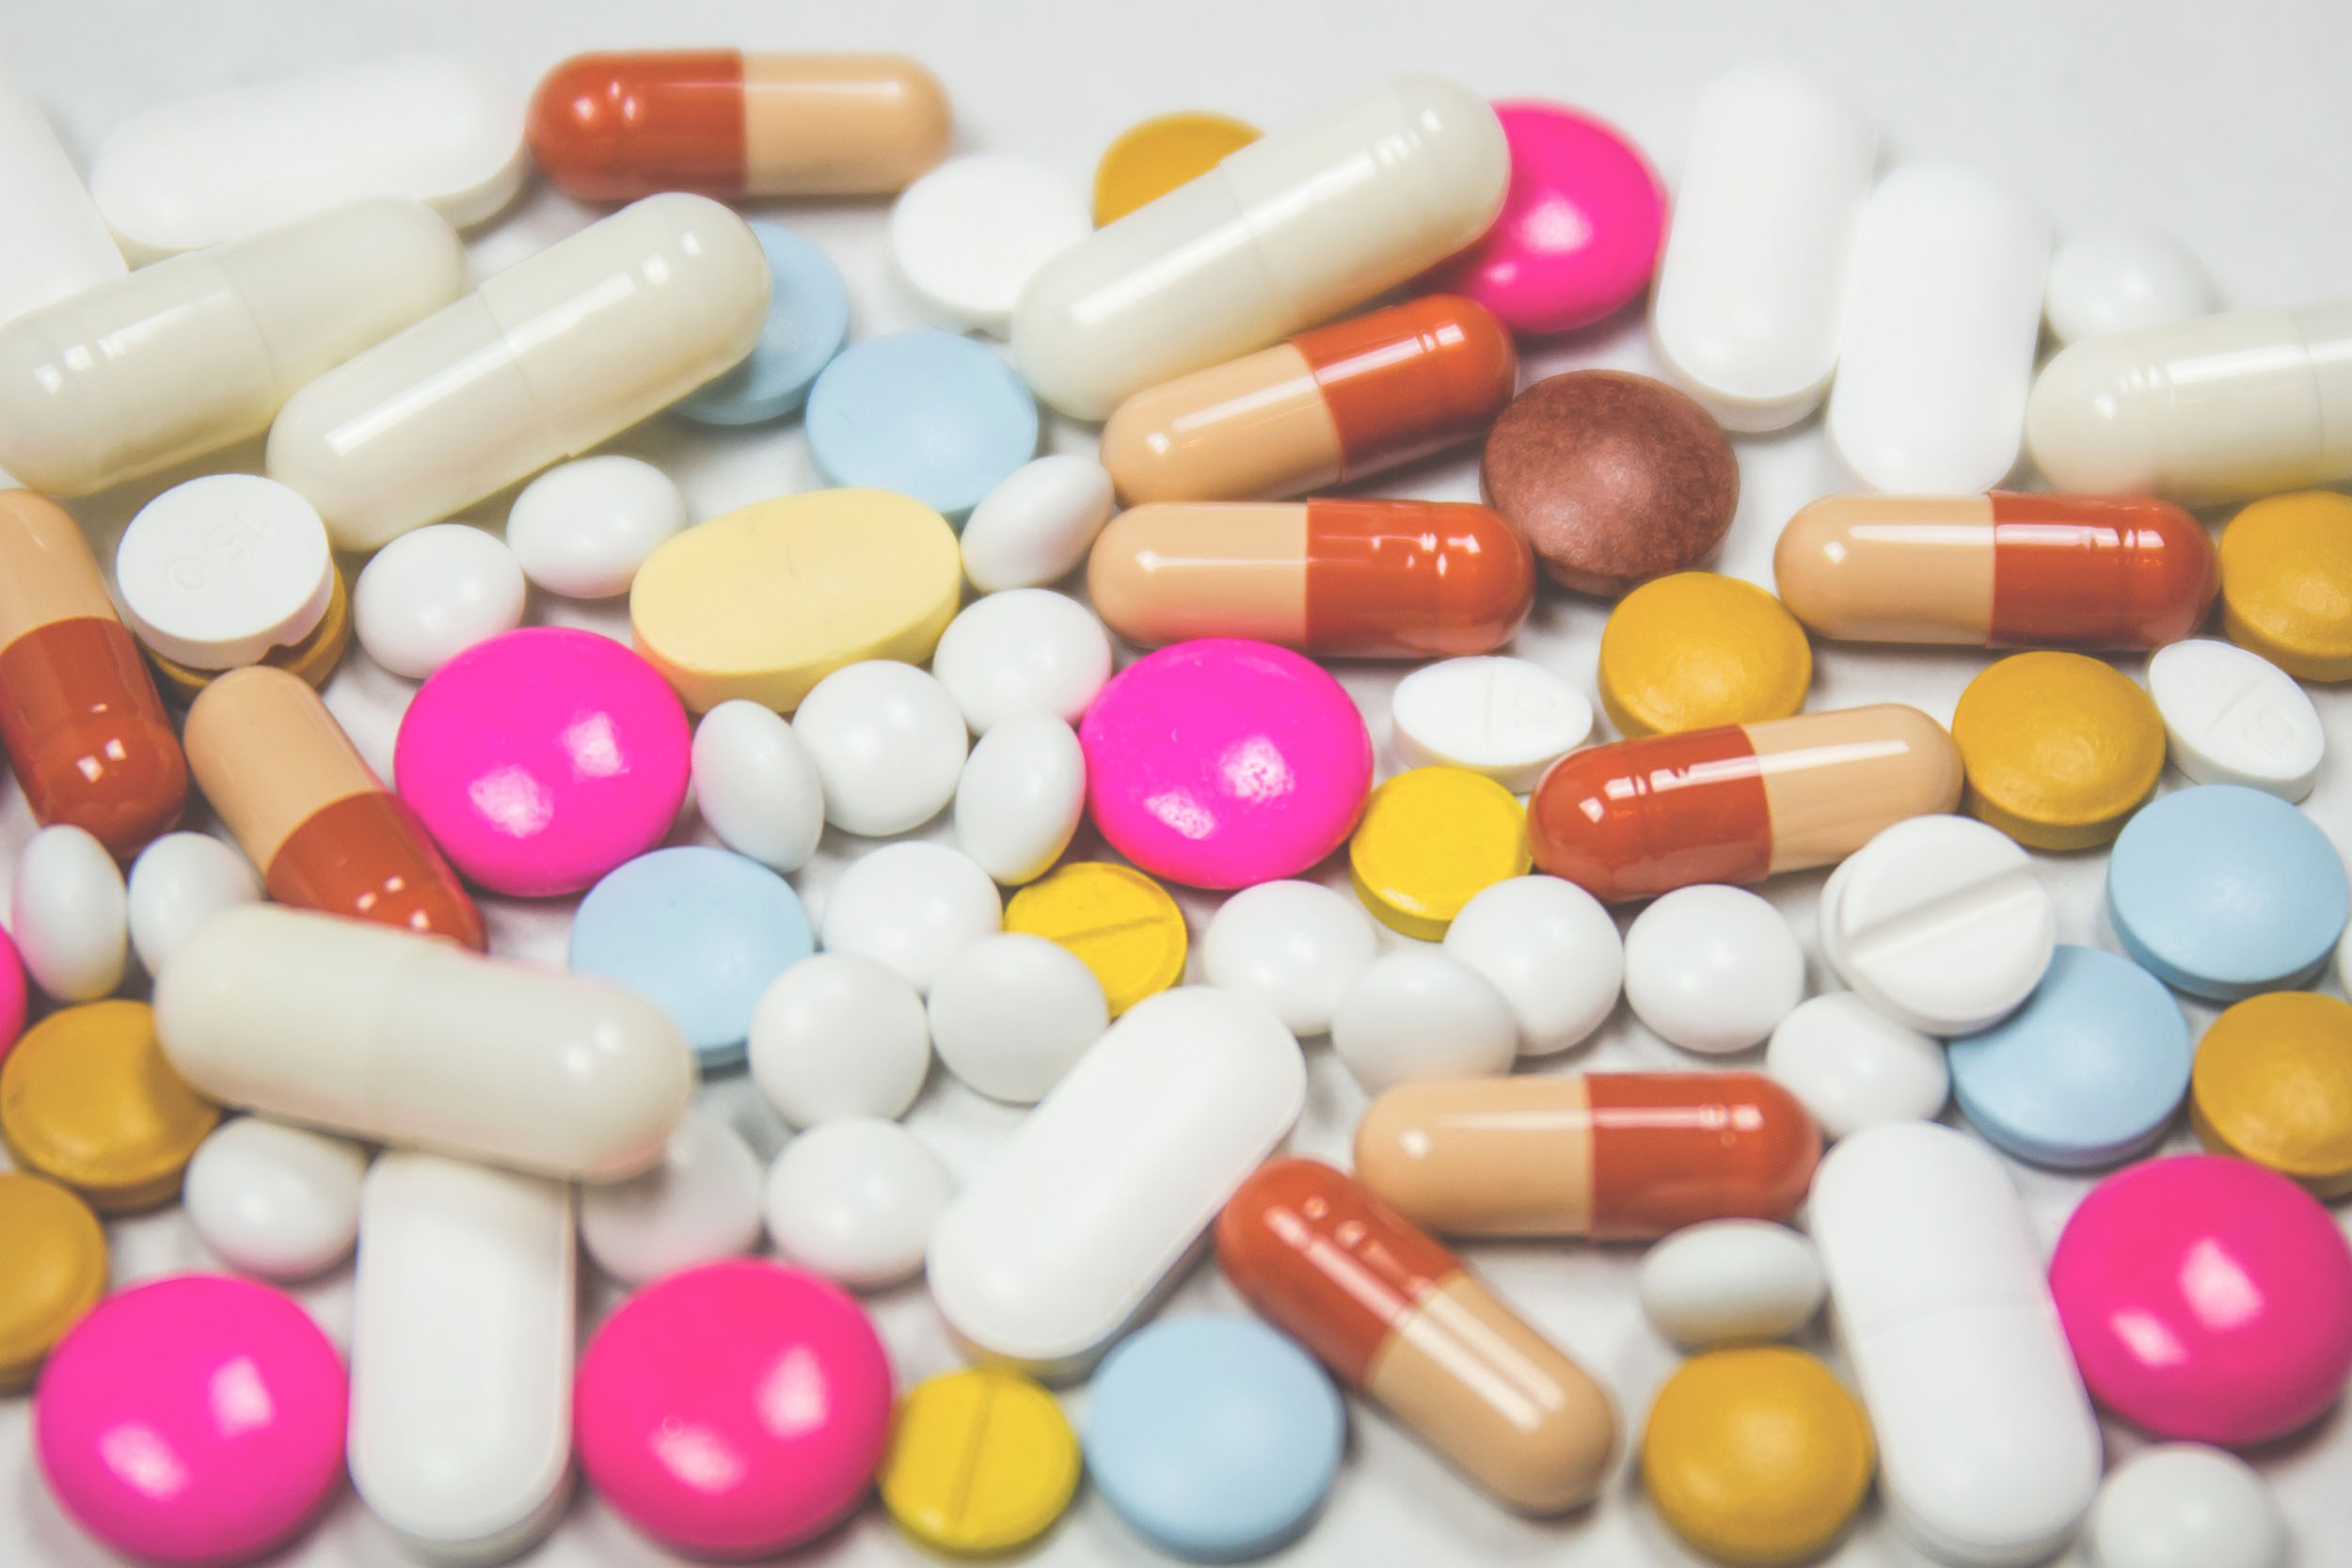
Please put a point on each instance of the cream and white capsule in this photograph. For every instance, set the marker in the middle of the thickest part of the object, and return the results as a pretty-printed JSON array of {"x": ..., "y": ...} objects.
[{"x": 545, "y": 360}]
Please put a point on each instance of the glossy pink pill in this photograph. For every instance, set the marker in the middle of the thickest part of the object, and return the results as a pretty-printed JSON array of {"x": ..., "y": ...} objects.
[
  {"x": 11, "y": 994},
  {"x": 543, "y": 758},
  {"x": 1223, "y": 763},
  {"x": 2206, "y": 1299},
  {"x": 733, "y": 1410},
  {"x": 195, "y": 1419}
]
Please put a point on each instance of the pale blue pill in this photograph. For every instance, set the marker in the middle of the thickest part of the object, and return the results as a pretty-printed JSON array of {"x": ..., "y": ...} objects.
[
  {"x": 1213, "y": 1436},
  {"x": 698, "y": 933},
  {"x": 931, "y": 414},
  {"x": 2226, "y": 892},
  {"x": 2087, "y": 1074},
  {"x": 808, "y": 321}
]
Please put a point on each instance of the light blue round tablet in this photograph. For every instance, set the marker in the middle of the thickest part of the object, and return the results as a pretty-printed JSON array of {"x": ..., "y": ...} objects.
[
  {"x": 2087, "y": 1074},
  {"x": 934, "y": 416},
  {"x": 808, "y": 321},
  {"x": 2226, "y": 892},
  {"x": 697, "y": 932},
  {"x": 1213, "y": 1436}
]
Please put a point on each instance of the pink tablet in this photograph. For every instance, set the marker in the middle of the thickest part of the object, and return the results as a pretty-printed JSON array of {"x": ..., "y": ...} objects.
[{"x": 11, "y": 994}]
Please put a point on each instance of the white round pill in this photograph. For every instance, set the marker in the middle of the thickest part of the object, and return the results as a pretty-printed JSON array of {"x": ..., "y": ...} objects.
[
  {"x": 216, "y": 572},
  {"x": 1854, "y": 1067},
  {"x": 2182, "y": 1504},
  {"x": 1723, "y": 1281},
  {"x": 1502, "y": 717},
  {"x": 1296, "y": 946},
  {"x": 1551, "y": 950},
  {"x": 432, "y": 594},
  {"x": 2121, "y": 279},
  {"x": 839, "y": 1035},
  {"x": 278, "y": 1201},
  {"x": 1037, "y": 524},
  {"x": 1011, "y": 1012},
  {"x": 582, "y": 528},
  {"x": 855, "y": 1202},
  {"x": 70, "y": 914},
  {"x": 1712, "y": 969},
  {"x": 966, "y": 237},
  {"x": 756, "y": 785},
  {"x": 176, "y": 883},
  {"x": 1023, "y": 792},
  {"x": 888, "y": 743},
  {"x": 700, "y": 1204},
  {"x": 2232, "y": 717},
  {"x": 1028, "y": 650},
  {"x": 913, "y": 907},
  {"x": 1416, "y": 1014}
]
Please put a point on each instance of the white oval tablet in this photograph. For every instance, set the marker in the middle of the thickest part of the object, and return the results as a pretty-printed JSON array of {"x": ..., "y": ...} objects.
[
  {"x": 177, "y": 881},
  {"x": 1011, "y": 1012},
  {"x": 888, "y": 742},
  {"x": 432, "y": 594},
  {"x": 1416, "y": 1014},
  {"x": 1502, "y": 717},
  {"x": 1723, "y": 1281},
  {"x": 2108, "y": 280},
  {"x": 1037, "y": 524},
  {"x": 856, "y": 1201},
  {"x": 756, "y": 785},
  {"x": 70, "y": 914},
  {"x": 2234, "y": 717},
  {"x": 273, "y": 1200},
  {"x": 2183, "y": 1505},
  {"x": 1296, "y": 946},
  {"x": 1712, "y": 969},
  {"x": 839, "y": 1035},
  {"x": 216, "y": 572},
  {"x": 912, "y": 906},
  {"x": 1021, "y": 798},
  {"x": 1553, "y": 951},
  {"x": 582, "y": 528},
  {"x": 700, "y": 1204},
  {"x": 966, "y": 238},
  {"x": 1028, "y": 650},
  {"x": 1854, "y": 1067}
]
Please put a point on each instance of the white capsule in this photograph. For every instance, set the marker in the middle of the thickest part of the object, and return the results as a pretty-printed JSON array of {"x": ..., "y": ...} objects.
[
  {"x": 1021, "y": 798},
  {"x": 177, "y": 883},
  {"x": 1417, "y": 1014},
  {"x": 1012, "y": 1012},
  {"x": 57, "y": 241},
  {"x": 1029, "y": 649},
  {"x": 2234, "y": 717},
  {"x": 2108, "y": 280},
  {"x": 1505, "y": 718},
  {"x": 856, "y": 1200},
  {"x": 839, "y": 1035},
  {"x": 756, "y": 785},
  {"x": 429, "y": 595},
  {"x": 582, "y": 529},
  {"x": 70, "y": 914},
  {"x": 1036, "y": 527},
  {"x": 700, "y": 1204},
  {"x": 1296, "y": 946},
  {"x": 888, "y": 742},
  {"x": 1723, "y": 1281},
  {"x": 1551, "y": 950},
  {"x": 273, "y": 1200}
]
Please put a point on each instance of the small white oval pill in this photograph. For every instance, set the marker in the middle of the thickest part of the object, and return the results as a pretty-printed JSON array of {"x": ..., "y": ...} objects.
[
  {"x": 966, "y": 237},
  {"x": 2120, "y": 280},
  {"x": 1854, "y": 1067},
  {"x": 584, "y": 527},
  {"x": 855, "y": 1202},
  {"x": 278, "y": 1201},
  {"x": 1296, "y": 946},
  {"x": 1028, "y": 650},
  {"x": 1723, "y": 1281},
  {"x": 1416, "y": 1014},
  {"x": 913, "y": 907},
  {"x": 432, "y": 594},
  {"x": 756, "y": 785},
  {"x": 1502, "y": 717},
  {"x": 216, "y": 572},
  {"x": 70, "y": 914},
  {"x": 175, "y": 883},
  {"x": 1011, "y": 1012},
  {"x": 1023, "y": 793},
  {"x": 1712, "y": 969},
  {"x": 2234, "y": 717},
  {"x": 2183, "y": 1505},
  {"x": 700, "y": 1204},
  {"x": 839, "y": 1035},
  {"x": 1037, "y": 524},
  {"x": 1553, "y": 951},
  {"x": 888, "y": 742}
]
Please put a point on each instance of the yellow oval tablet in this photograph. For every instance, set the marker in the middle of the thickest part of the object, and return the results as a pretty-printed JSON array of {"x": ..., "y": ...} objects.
[
  {"x": 88, "y": 1099},
  {"x": 314, "y": 658},
  {"x": 980, "y": 1460},
  {"x": 1696, "y": 650},
  {"x": 2059, "y": 748},
  {"x": 2272, "y": 1083},
  {"x": 1429, "y": 839},
  {"x": 2287, "y": 583},
  {"x": 53, "y": 1269},
  {"x": 1151, "y": 159},
  {"x": 766, "y": 601},
  {"x": 1758, "y": 1455},
  {"x": 1121, "y": 924}
]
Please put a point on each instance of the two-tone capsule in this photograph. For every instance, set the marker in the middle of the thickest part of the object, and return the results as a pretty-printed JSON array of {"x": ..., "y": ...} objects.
[{"x": 1341, "y": 578}]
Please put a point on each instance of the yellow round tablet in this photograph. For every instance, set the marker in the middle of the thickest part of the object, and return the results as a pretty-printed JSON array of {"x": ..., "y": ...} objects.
[
  {"x": 88, "y": 1099},
  {"x": 2059, "y": 748},
  {"x": 1121, "y": 924},
  {"x": 53, "y": 1269},
  {"x": 980, "y": 1460},
  {"x": 2287, "y": 583},
  {"x": 1695, "y": 650},
  {"x": 1429, "y": 839},
  {"x": 1756, "y": 1455},
  {"x": 314, "y": 658},
  {"x": 2272, "y": 1083},
  {"x": 1151, "y": 159}
]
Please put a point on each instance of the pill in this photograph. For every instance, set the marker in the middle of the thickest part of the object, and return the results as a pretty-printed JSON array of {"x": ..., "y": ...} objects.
[
  {"x": 1290, "y": 230},
  {"x": 70, "y": 913},
  {"x": 839, "y": 1035},
  {"x": 1988, "y": 1452},
  {"x": 855, "y": 1202},
  {"x": 1296, "y": 946},
  {"x": 462, "y": 1319},
  {"x": 56, "y": 1271},
  {"x": 615, "y": 127},
  {"x": 1329, "y": 407},
  {"x": 1416, "y": 1015},
  {"x": 582, "y": 529},
  {"x": 2287, "y": 583},
  {"x": 1613, "y": 478},
  {"x": 2182, "y": 1504},
  {"x": 1037, "y": 525},
  {"x": 2123, "y": 279},
  {"x": 87, "y": 736},
  {"x": 914, "y": 906},
  {"x": 1550, "y": 949},
  {"x": 1394, "y": 1314},
  {"x": 1723, "y": 1281},
  {"x": 1751, "y": 292},
  {"x": 1853, "y": 1066},
  {"x": 87, "y": 1100},
  {"x": 479, "y": 1059},
  {"x": 1430, "y": 839},
  {"x": 11, "y": 993},
  {"x": 275, "y": 1200},
  {"x": 756, "y": 786},
  {"x": 2061, "y": 749},
  {"x": 808, "y": 322},
  {"x": 2006, "y": 570},
  {"x": 1505, "y": 718},
  {"x": 2232, "y": 717},
  {"x": 62, "y": 243},
  {"x": 926, "y": 412},
  {"x": 1611, "y": 1155},
  {"x": 1118, "y": 922},
  {"x": 2272, "y": 1083},
  {"x": 432, "y": 594},
  {"x": 1712, "y": 969},
  {"x": 888, "y": 743},
  {"x": 222, "y": 570},
  {"x": 545, "y": 360},
  {"x": 1026, "y": 650},
  {"x": 313, "y": 661},
  {"x": 185, "y": 357},
  {"x": 1639, "y": 818},
  {"x": 1012, "y": 1012},
  {"x": 981, "y": 1461},
  {"x": 1057, "y": 1242},
  {"x": 1695, "y": 650},
  {"x": 1021, "y": 798},
  {"x": 967, "y": 237},
  {"x": 1154, "y": 156},
  {"x": 700, "y": 1204}
]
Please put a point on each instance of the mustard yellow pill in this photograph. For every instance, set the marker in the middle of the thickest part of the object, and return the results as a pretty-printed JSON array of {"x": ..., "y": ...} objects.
[
  {"x": 314, "y": 658},
  {"x": 2272, "y": 1083},
  {"x": 1120, "y": 923},
  {"x": 980, "y": 1460},
  {"x": 2287, "y": 583},
  {"x": 1151, "y": 159},
  {"x": 1696, "y": 650},
  {"x": 1429, "y": 839},
  {"x": 88, "y": 1099},
  {"x": 53, "y": 1269},
  {"x": 1758, "y": 1455},
  {"x": 2059, "y": 748}
]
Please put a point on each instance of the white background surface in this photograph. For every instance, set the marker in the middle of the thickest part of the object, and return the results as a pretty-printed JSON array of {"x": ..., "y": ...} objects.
[{"x": 2228, "y": 126}]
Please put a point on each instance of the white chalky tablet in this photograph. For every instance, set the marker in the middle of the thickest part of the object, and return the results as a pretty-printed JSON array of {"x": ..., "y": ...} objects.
[
  {"x": 432, "y": 594},
  {"x": 1723, "y": 1281},
  {"x": 855, "y": 1202},
  {"x": 1712, "y": 969},
  {"x": 175, "y": 883},
  {"x": 1022, "y": 794},
  {"x": 70, "y": 914},
  {"x": 1504, "y": 717},
  {"x": 966, "y": 237},
  {"x": 913, "y": 907},
  {"x": 273, "y": 1200},
  {"x": 1416, "y": 1014},
  {"x": 756, "y": 785},
  {"x": 1037, "y": 524},
  {"x": 1028, "y": 650},
  {"x": 1854, "y": 1067},
  {"x": 2183, "y": 1505},
  {"x": 888, "y": 742},
  {"x": 584, "y": 527},
  {"x": 2234, "y": 717},
  {"x": 1296, "y": 946},
  {"x": 1551, "y": 950},
  {"x": 216, "y": 572},
  {"x": 1012, "y": 1011},
  {"x": 700, "y": 1204},
  {"x": 839, "y": 1035},
  {"x": 2123, "y": 279}
]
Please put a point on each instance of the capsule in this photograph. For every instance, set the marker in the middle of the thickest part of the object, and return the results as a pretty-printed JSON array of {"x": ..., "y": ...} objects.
[
  {"x": 1291, "y": 231},
  {"x": 545, "y": 360},
  {"x": 1998, "y": 571},
  {"x": 1331, "y": 406},
  {"x": 1616, "y": 1156},
  {"x": 86, "y": 733},
  {"x": 1392, "y": 1312},
  {"x": 616, "y": 127},
  {"x": 1343, "y": 579},
  {"x": 1737, "y": 804},
  {"x": 306, "y": 809}
]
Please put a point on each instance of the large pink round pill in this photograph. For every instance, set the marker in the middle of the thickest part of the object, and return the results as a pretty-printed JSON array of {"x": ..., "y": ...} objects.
[
  {"x": 2206, "y": 1299},
  {"x": 193, "y": 1419},
  {"x": 1579, "y": 231},
  {"x": 733, "y": 1410},
  {"x": 1224, "y": 763},
  {"x": 11, "y": 994},
  {"x": 543, "y": 758}
]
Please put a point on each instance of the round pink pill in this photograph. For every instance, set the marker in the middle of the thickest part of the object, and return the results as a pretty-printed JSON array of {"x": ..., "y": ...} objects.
[
  {"x": 1579, "y": 231},
  {"x": 2206, "y": 1299},
  {"x": 1224, "y": 763},
  {"x": 11, "y": 994},
  {"x": 543, "y": 758},
  {"x": 733, "y": 1410},
  {"x": 193, "y": 1419}
]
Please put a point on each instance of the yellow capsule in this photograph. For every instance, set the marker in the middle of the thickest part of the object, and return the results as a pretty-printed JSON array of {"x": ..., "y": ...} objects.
[
  {"x": 1151, "y": 159},
  {"x": 314, "y": 658},
  {"x": 53, "y": 1269},
  {"x": 980, "y": 1460},
  {"x": 2059, "y": 748},
  {"x": 1429, "y": 839},
  {"x": 1120, "y": 923},
  {"x": 1696, "y": 650},
  {"x": 2287, "y": 583},
  {"x": 88, "y": 1099},
  {"x": 2272, "y": 1083}
]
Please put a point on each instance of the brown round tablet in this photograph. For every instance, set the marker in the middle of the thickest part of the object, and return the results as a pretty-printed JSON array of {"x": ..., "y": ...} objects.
[{"x": 1613, "y": 478}]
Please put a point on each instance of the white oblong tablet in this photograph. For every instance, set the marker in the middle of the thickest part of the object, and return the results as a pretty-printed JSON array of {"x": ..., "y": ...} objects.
[
  {"x": 2104, "y": 281},
  {"x": 1854, "y": 1067},
  {"x": 273, "y": 1200},
  {"x": 700, "y": 1204},
  {"x": 70, "y": 914},
  {"x": 1712, "y": 969},
  {"x": 1296, "y": 946},
  {"x": 1553, "y": 951},
  {"x": 1037, "y": 524},
  {"x": 856, "y": 1200},
  {"x": 1012, "y": 1012},
  {"x": 966, "y": 238},
  {"x": 57, "y": 241},
  {"x": 756, "y": 785},
  {"x": 1417, "y": 1014},
  {"x": 913, "y": 907},
  {"x": 216, "y": 572},
  {"x": 1502, "y": 717},
  {"x": 888, "y": 742},
  {"x": 432, "y": 594},
  {"x": 178, "y": 881},
  {"x": 839, "y": 1035},
  {"x": 584, "y": 527},
  {"x": 1722, "y": 1281},
  {"x": 2234, "y": 717},
  {"x": 1028, "y": 650},
  {"x": 1021, "y": 798}
]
